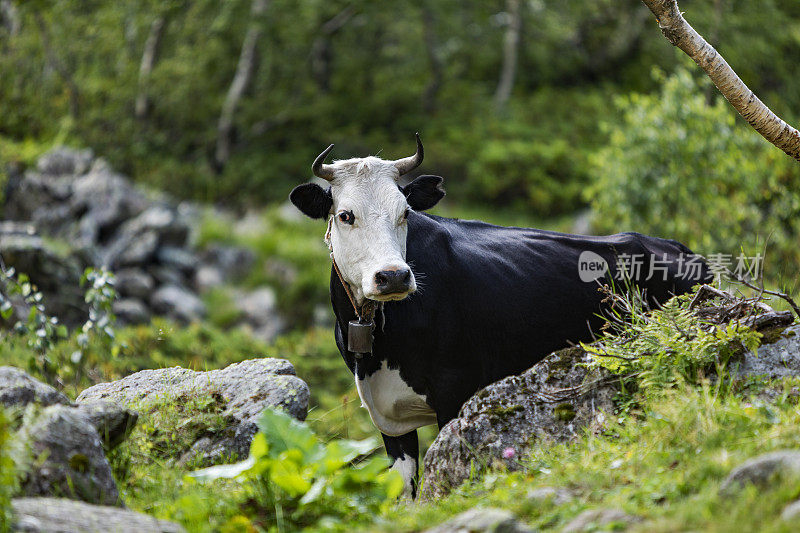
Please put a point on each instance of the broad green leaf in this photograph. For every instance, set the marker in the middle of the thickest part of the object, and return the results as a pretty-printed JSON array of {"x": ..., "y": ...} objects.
[
  {"x": 288, "y": 476},
  {"x": 282, "y": 432},
  {"x": 259, "y": 447},
  {"x": 392, "y": 482}
]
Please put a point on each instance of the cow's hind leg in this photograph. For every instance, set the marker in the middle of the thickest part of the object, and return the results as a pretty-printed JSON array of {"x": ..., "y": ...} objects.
[{"x": 404, "y": 453}]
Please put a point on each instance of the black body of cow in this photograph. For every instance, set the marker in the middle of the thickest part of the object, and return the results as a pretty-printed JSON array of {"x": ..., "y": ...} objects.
[{"x": 492, "y": 302}]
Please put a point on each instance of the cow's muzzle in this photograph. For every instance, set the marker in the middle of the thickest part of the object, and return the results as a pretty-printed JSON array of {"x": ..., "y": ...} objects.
[{"x": 391, "y": 282}]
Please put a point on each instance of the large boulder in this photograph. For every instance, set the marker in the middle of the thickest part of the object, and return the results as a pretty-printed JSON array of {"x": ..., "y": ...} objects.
[
  {"x": 244, "y": 390},
  {"x": 55, "y": 515},
  {"x": 554, "y": 401},
  {"x": 778, "y": 358},
  {"x": 17, "y": 389},
  {"x": 67, "y": 458}
]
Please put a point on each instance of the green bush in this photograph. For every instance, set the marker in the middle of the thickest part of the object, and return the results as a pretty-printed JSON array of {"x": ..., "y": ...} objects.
[
  {"x": 668, "y": 347},
  {"x": 681, "y": 168},
  {"x": 297, "y": 480},
  {"x": 547, "y": 178}
]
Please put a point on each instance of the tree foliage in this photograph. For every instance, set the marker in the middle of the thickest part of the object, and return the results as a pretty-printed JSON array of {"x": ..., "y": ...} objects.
[
  {"x": 363, "y": 76},
  {"x": 680, "y": 168}
]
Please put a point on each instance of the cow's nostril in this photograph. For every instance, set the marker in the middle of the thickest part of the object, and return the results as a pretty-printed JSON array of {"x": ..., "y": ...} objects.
[
  {"x": 380, "y": 278},
  {"x": 406, "y": 277}
]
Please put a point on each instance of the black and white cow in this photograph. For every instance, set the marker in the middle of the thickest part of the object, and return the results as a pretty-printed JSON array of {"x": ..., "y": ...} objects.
[{"x": 464, "y": 303}]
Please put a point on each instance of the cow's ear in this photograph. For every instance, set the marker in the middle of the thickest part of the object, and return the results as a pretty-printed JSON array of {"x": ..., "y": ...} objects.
[
  {"x": 312, "y": 200},
  {"x": 424, "y": 192}
]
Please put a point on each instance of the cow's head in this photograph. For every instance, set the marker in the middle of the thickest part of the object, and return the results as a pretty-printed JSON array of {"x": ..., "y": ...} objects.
[{"x": 369, "y": 213}]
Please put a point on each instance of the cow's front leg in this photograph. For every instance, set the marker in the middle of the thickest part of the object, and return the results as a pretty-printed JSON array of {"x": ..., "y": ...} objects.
[{"x": 404, "y": 453}]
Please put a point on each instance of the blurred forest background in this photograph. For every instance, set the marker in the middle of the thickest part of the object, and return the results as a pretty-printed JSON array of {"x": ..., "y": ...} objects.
[{"x": 533, "y": 106}]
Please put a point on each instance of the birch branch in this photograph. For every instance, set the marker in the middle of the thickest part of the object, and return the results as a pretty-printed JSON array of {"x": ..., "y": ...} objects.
[{"x": 681, "y": 34}]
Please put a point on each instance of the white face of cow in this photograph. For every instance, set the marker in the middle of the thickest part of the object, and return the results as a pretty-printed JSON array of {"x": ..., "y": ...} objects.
[
  {"x": 369, "y": 229},
  {"x": 367, "y": 213}
]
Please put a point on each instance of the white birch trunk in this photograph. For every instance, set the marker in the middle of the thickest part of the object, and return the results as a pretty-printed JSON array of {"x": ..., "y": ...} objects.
[
  {"x": 510, "y": 53},
  {"x": 149, "y": 56},
  {"x": 241, "y": 80}
]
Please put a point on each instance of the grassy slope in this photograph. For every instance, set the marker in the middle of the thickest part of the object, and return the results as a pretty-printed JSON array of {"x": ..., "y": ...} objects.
[{"x": 664, "y": 464}]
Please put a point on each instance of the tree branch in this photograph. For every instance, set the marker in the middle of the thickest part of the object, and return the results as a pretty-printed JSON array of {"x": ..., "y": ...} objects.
[{"x": 681, "y": 34}]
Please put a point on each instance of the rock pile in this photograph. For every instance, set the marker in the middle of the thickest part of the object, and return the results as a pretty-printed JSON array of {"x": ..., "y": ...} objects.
[
  {"x": 73, "y": 211},
  {"x": 79, "y": 200}
]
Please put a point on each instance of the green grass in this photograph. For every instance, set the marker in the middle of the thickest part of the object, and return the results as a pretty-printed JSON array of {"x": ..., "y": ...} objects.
[{"x": 665, "y": 467}]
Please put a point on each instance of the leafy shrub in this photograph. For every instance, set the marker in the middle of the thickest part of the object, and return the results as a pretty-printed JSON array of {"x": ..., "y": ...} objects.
[
  {"x": 668, "y": 347},
  {"x": 39, "y": 331},
  {"x": 298, "y": 480},
  {"x": 546, "y": 177},
  {"x": 680, "y": 168}
]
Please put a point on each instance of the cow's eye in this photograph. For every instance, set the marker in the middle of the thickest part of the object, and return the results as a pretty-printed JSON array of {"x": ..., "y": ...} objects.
[{"x": 347, "y": 217}]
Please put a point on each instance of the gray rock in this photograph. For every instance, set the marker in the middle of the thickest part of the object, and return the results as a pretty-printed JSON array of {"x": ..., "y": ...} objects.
[
  {"x": 234, "y": 262},
  {"x": 259, "y": 310},
  {"x": 55, "y": 515},
  {"x": 245, "y": 390},
  {"x": 207, "y": 277},
  {"x": 177, "y": 258},
  {"x": 778, "y": 359},
  {"x": 483, "y": 520},
  {"x": 130, "y": 249},
  {"x": 179, "y": 303},
  {"x": 593, "y": 519},
  {"x": 282, "y": 271},
  {"x": 791, "y": 513},
  {"x": 554, "y": 495},
  {"x": 56, "y": 276},
  {"x": 112, "y": 421},
  {"x": 163, "y": 220},
  {"x": 131, "y": 311},
  {"x": 134, "y": 282},
  {"x": 103, "y": 200},
  {"x": 67, "y": 458},
  {"x": 63, "y": 160},
  {"x": 165, "y": 275},
  {"x": 554, "y": 401},
  {"x": 760, "y": 470},
  {"x": 17, "y": 388}
]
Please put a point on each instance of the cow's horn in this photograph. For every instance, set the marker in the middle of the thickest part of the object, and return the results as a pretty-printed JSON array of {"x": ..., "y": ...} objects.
[
  {"x": 320, "y": 170},
  {"x": 407, "y": 164}
]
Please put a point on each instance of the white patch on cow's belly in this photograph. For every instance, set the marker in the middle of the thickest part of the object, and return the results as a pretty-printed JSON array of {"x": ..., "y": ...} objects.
[{"x": 393, "y": 406}]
